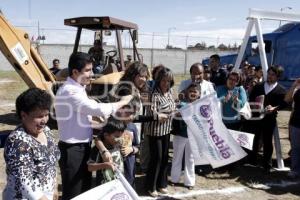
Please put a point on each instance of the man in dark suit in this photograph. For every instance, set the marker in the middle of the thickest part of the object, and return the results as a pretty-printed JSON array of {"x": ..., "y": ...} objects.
[
  {"x": 55, "y": 69},
  {"x": 218, "y": 75},
  {"x": 273, "y": 94}
]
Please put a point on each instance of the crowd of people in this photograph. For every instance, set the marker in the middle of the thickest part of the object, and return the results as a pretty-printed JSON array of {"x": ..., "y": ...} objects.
[{"x": 138, "y": 121}]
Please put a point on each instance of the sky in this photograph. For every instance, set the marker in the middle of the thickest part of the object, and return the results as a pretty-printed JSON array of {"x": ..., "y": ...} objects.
[{"x": 188, "y": 21}]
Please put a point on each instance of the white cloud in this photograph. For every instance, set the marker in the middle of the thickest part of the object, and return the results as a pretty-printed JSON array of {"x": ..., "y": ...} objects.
[{"x": 200, "y": 20}]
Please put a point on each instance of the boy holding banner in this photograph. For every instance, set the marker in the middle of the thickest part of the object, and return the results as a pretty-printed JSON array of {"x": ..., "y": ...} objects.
[
  {"x": 112, "y": 139},
  {"x": 181, "y": 143}
]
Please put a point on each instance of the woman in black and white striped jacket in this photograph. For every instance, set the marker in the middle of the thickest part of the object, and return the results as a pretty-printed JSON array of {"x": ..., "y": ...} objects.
[{"x": 163, "y": 105}]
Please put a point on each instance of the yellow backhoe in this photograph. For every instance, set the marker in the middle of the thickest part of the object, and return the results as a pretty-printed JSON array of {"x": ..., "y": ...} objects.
[{"x": 16, "y": 46}]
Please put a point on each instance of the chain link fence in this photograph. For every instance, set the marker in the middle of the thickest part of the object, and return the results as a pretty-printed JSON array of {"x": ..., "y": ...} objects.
[{"x": 169, "y": 40}]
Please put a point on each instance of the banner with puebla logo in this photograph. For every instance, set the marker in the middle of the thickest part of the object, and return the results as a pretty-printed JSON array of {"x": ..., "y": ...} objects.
[
  {"x": 199, "y": 158},
  {"x": 208, "y": 136},
  {"x": 114, "y": 190}
]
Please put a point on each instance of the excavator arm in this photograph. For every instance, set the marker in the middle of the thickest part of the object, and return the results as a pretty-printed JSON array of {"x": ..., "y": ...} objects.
[{"x": 15, "y": 46}]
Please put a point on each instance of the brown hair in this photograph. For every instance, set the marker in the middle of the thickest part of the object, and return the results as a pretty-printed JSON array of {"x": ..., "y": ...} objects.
[{"x": 235, "y": 73}]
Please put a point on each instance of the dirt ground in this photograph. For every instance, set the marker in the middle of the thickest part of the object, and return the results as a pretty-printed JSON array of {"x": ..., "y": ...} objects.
[{"x": 240, "y": 182}]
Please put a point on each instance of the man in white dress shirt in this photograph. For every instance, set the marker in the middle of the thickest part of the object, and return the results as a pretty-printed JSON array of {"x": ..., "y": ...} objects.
[
  {"x": 197, "y": 74},
  {"x": 73, "y": 113}
]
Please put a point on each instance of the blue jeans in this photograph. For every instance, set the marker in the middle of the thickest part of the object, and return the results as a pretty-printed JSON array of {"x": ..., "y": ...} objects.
[{"x": 295, "y": 145}]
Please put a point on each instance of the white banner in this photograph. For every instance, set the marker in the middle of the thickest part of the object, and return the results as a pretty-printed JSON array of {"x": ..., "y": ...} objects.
[
  {"x": 113, "y": 190},
  {"x": 243, "y": 139},
  {"x": 208, "y": 136},
  {"x": 200, "y": 159}
]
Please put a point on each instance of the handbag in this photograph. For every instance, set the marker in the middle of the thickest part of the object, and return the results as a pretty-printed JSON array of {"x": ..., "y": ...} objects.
[{"x": 245, "y": 111}]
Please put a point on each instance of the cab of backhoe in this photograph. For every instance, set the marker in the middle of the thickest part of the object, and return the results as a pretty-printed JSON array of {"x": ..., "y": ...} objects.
[
  {"x": 107, "y": 30},
  {"x": 107, "y": 50}
]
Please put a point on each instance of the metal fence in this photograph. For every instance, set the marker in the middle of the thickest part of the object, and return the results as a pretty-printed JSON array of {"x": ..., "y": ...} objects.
[{"x": 46, "y": 35}]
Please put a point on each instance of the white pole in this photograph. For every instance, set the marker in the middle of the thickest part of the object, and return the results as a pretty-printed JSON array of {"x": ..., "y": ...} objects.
[
  {"x": 244, "y": 45},
  {"x": 261, "y": 46},
  {"x": 280, "y": 163},
  {"x": 263, "y": 14}
]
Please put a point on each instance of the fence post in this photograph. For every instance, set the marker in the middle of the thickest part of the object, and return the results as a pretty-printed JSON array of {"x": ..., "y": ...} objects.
[
  {"x": 186, "y": 54},
  {"x": 152, "y": 51}
]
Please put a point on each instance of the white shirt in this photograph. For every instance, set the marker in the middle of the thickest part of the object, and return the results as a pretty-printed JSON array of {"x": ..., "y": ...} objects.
[
  {"x": 206, "y": 87},
  {"x": 74, "y": 109},
  {"x": 268, "y": 88}
]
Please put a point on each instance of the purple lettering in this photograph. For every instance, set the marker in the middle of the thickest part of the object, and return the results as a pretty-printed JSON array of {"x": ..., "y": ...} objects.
[
  {"x": 219, "y": 142},
  {"x": 215, "y": 138},
  {"x": 242, "y": 143},
  {"x": 225, "y": 154},
  {"x": 224, "y": 149}
]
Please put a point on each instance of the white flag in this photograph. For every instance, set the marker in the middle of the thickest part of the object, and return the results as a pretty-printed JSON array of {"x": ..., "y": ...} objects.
[
  {"x": 208, "y": 136},
  {"x": 243, "y": 139}
]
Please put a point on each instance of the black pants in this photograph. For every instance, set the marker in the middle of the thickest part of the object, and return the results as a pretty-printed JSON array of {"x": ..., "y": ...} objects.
[
  {"x": 158, "y": 165},
  {"x": 264, "y": 129},
  {"x": 234, "y": 126},
  {"x": 75, "y": 176}
]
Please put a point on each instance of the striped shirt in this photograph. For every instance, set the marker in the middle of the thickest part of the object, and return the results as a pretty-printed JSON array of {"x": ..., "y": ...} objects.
[{"x": 161, "y": 103}]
